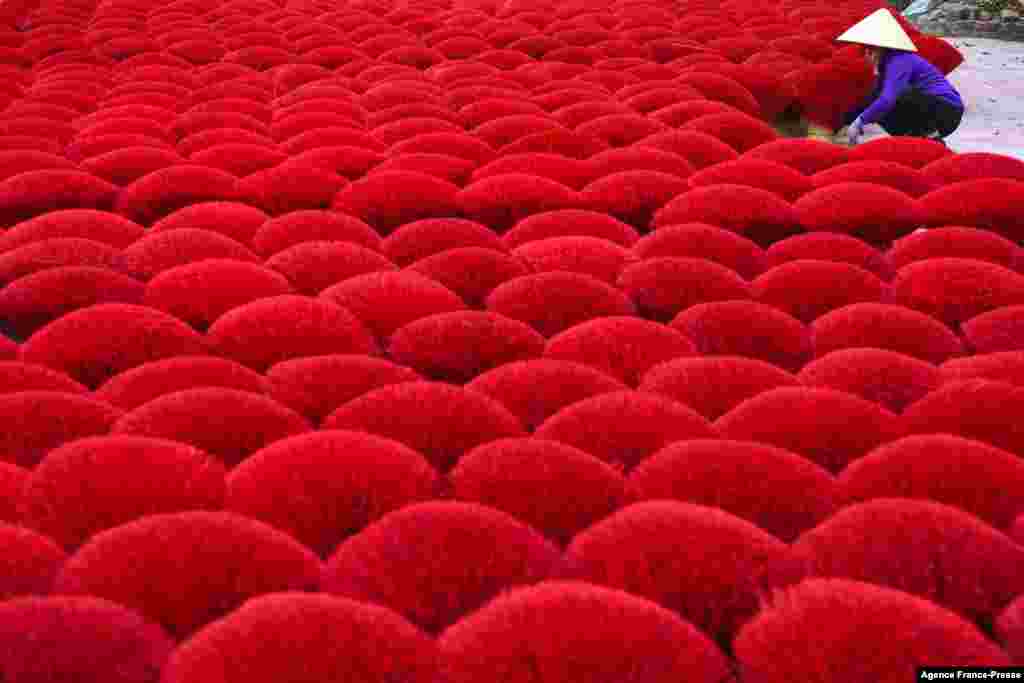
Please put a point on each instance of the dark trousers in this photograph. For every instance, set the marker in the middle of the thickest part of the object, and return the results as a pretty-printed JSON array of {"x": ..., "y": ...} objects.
[{"x": 918, "y": 115}]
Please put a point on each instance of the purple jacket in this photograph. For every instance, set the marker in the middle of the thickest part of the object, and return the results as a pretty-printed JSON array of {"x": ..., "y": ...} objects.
[{"x": 900, "y": 70}]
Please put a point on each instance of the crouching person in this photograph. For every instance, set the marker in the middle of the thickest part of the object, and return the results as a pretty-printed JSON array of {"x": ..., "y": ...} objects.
[{"x": 911, "y": 96}]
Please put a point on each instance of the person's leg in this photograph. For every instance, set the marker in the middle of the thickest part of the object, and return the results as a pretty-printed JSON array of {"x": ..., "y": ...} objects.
[
  {"x": 920, "y": 115},
  {"x": 912, "y": 116},
  {"x": 947, "y": 118}
]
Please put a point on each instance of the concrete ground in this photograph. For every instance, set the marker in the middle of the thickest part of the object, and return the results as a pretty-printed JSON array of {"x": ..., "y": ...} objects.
[{"x": 991, "y": 81}]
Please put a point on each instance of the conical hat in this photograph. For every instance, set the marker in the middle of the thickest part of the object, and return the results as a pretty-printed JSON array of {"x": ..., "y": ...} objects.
[{"x": 879, "y": 29}]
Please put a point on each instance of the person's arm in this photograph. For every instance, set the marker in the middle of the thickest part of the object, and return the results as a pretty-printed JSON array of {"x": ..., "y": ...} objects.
[
  {"x": 852, "y": 115},
  {"x": 897, "y": 78}
]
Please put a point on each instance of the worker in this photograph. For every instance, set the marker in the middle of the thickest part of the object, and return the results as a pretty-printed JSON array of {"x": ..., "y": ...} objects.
[{"x": 911, "y": 97}]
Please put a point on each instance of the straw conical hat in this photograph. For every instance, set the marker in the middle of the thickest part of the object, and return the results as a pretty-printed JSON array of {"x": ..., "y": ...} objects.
[{"x": 879, "y": 29}]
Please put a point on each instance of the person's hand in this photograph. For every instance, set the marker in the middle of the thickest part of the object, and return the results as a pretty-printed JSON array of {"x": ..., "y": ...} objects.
[{"x": 855, "y": 130}]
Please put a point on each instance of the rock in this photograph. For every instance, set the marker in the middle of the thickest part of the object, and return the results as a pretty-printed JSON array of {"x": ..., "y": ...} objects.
[{"x": 956, "y": 10}]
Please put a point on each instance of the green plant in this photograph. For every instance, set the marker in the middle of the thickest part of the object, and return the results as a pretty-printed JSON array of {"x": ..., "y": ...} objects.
[{"x": 997, "y": 6}]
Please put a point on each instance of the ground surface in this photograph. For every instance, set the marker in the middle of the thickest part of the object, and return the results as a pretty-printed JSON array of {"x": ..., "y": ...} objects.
[{"x": 991, "y": 81}]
